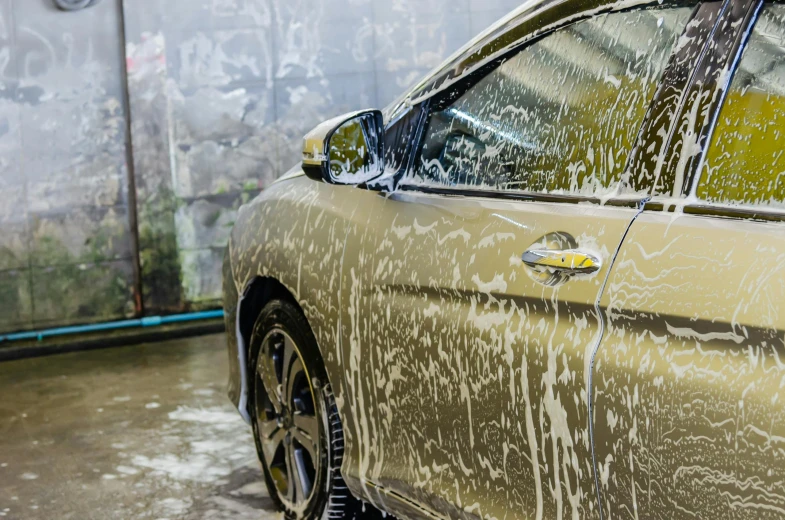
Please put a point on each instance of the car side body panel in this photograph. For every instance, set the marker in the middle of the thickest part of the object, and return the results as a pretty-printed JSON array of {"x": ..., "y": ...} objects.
[
  {"x": 690, "y": 379},
  {"x": 469, "y": 376}
]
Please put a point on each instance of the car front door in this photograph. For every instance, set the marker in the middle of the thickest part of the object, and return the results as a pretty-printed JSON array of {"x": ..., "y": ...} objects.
[
  {"x": 690, "y": 378},
  {"x": 470, "y": 293}
]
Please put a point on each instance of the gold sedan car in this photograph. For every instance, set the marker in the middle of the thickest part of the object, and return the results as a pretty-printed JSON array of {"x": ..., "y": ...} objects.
[{"x": 548, "y": 282}]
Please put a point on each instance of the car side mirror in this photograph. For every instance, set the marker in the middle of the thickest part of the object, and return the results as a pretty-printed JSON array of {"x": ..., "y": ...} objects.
[{"x": 348, "y": 149}]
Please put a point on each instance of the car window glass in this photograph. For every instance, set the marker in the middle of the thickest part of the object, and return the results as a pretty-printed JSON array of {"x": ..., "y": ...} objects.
[
  {"x": 745, "y": 163},
  {"x": 560, "y": 116}
]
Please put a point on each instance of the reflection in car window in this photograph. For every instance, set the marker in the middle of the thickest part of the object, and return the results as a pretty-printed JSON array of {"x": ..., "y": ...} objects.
[
  {"x": 560, "y": 116},
  {"x": 745, "y": 163}
]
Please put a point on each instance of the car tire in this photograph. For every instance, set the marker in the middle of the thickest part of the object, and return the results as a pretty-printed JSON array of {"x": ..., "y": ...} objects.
[{"x": 303, "y": 475}]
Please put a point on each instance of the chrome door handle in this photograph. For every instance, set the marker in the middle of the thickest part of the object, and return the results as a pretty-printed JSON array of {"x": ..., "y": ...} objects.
[{"x": 567, "y": 261}]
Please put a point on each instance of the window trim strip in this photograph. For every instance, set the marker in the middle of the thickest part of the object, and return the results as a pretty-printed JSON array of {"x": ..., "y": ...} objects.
[
  {"x": 738, "y": 43},
  {"x": 524, "y": 196},
  {"x": 712, "y": 210},
  {"x": 670, "y": 87}
]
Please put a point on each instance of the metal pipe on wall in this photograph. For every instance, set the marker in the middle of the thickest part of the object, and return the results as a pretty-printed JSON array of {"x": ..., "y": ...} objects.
[
  {"x": 133, "y": 215},
  {"x": 151, "y": 321}
]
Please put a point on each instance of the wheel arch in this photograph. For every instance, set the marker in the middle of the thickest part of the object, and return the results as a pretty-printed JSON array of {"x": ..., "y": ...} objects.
[{"x": 258, "y": 292}]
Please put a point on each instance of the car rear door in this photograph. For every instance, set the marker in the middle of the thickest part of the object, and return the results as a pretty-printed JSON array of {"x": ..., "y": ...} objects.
[
  {"x": 689, "y": 381},
  {"x": 468, "y": 370}
]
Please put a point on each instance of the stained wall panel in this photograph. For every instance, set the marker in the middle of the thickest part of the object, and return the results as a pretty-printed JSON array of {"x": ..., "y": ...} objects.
[
  {"x": 65, "y": 254},
  {"x": 237, "y": 84}
]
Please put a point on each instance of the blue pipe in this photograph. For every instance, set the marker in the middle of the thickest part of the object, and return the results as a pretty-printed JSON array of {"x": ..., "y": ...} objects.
[{"x": 152, "y": 321}]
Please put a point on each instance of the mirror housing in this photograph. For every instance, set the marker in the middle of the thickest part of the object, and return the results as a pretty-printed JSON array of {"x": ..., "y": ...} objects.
[{"x": 348, "y": 149}]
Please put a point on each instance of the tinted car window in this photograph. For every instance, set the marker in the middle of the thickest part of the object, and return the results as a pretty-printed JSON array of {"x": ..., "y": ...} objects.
[
  {"x": 745, "y": 163},
  {"x": 561, "y": 115}
]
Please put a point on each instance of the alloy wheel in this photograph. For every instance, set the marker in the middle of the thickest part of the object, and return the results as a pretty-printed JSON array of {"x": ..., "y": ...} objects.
[{"x": 287, "y": 422}]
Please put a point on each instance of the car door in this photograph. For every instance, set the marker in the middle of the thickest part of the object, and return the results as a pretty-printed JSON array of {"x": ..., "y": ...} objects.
[
  {"x": 690, "y": 377},
  {"x": 468, "y": 368}
]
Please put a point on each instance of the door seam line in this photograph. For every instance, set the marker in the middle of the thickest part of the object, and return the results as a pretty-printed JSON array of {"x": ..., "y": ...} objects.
[{"x": 596, "y": 349}]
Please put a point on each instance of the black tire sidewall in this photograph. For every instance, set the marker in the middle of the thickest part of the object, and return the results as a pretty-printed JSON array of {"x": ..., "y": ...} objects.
[{"x": 283, "y": 315}]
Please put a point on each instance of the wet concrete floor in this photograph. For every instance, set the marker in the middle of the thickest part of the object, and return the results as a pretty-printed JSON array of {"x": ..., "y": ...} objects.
[{"x": 134, "y": 432}]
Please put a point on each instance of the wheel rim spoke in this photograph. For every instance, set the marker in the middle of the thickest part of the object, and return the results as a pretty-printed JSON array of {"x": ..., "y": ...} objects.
[
  {"x": 268, "y": 428},
  {"x": 291, "y": 473},
  {"x": 306, "y": 431},
  {"x": 302, "y": 481},
  {"x": 291, "y": 367},
  {"x": 268, "y": 378},
  {"x": 271, "y": 444},
  {"x": 291, "y": 379}
]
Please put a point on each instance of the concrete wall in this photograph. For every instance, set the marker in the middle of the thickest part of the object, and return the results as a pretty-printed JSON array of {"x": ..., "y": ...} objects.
[
  {"x": 217, "y": 97},
  {"x": 65, "y": 242}
]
